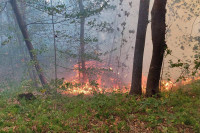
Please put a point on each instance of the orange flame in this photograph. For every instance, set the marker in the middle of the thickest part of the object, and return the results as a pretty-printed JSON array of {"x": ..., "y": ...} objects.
[{"x": 101, "y": 79}]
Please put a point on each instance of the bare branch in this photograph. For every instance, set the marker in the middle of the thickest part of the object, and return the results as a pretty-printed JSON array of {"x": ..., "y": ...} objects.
[{"x": 3, "y": 7}]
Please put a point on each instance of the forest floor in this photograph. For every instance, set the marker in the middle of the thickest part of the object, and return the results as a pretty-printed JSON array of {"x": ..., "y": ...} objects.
[{"x": 177, "y": 111}]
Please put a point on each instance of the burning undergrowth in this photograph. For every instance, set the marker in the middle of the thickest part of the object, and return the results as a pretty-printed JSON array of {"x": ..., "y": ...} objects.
[
  {"x": 98, "y": 79},
  {"x": 101, "y": 79}
]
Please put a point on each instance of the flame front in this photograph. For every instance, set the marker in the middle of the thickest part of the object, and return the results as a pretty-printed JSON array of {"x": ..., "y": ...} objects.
[{"x": 105, "y": 80}]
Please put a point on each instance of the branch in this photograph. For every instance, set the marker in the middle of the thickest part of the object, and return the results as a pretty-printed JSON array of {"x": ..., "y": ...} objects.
[
  {"x": 46, "y": 22},
  {"x": 4, "y": 7},
  {"x": 193, "y": 25},
  {"x": 97, "y": 10}
]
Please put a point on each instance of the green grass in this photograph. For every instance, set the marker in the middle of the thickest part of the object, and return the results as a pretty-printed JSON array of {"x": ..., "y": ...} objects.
[{"x": 177, "y": 111}]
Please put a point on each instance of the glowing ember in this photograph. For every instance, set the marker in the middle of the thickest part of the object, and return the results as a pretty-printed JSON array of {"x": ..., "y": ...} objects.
[
  {"x": 88, "y": 90},
  {"x": 167, "y": 85}
]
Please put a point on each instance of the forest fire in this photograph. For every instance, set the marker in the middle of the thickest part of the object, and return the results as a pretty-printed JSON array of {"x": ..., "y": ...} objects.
[{"x": 102, "y": 79}]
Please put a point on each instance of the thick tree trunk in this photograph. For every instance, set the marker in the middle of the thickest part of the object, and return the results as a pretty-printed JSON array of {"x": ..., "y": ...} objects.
[
  {"x": 158, "y": 37},
  {"x": 136, "y": 86},
  {"x": 82, "y": 41},
  {"x": 29, "y": 45}
]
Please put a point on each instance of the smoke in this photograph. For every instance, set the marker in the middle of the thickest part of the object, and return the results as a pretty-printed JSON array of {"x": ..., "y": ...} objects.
[{"x": 113, "y": 45}]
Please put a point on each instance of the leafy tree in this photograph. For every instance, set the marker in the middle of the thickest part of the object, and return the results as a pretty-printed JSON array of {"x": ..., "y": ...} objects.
[{"x": 183, "y": 59}]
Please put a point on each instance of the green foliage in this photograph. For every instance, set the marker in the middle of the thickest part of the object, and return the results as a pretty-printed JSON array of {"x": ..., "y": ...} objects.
[
  {"x": 189, "y": 64},
  {"x": 173, "y": 112},
  {"x": 7, "y": 41}
]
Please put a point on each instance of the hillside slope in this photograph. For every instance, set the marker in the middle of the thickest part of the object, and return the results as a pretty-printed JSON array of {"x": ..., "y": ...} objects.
[{"x": 177, "y": 111}]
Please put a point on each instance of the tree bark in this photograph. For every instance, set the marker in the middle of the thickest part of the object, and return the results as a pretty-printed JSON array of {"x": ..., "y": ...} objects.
[
  {"x": 82, "y": 41},
  {"x": 159, "y": 45},
  {"x": 29, "y": 45},
  {"x": 136, "y": 86}
]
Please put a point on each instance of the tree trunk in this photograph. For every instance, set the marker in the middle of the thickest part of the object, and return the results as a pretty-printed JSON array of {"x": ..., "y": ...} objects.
[
  {"x": 159, "y": 45},
  {"x": 29, "y": 45},
  {"x": 30, "y": 69},
  {"x": 82, "y": 41},
  {"x": 10, "y": 50},
  {"x": 136, "y": 86},
  {"x": 54, "y": 44}
]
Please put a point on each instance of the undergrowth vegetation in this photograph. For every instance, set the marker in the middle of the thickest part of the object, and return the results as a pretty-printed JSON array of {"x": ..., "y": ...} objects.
[{"x": 177, "y": 111}]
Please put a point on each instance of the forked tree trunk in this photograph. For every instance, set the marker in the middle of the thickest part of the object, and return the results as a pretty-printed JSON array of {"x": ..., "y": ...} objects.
[
  {"x": 159, "y": 45},
  {"x": 82, "y": 41},
  {"x": 136, "y": 86},
  {"x": 29, "y": 45}
]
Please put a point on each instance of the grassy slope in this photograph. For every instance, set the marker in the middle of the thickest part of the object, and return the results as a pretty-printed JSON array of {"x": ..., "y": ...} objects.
[{"x": 174, "y": 112}]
